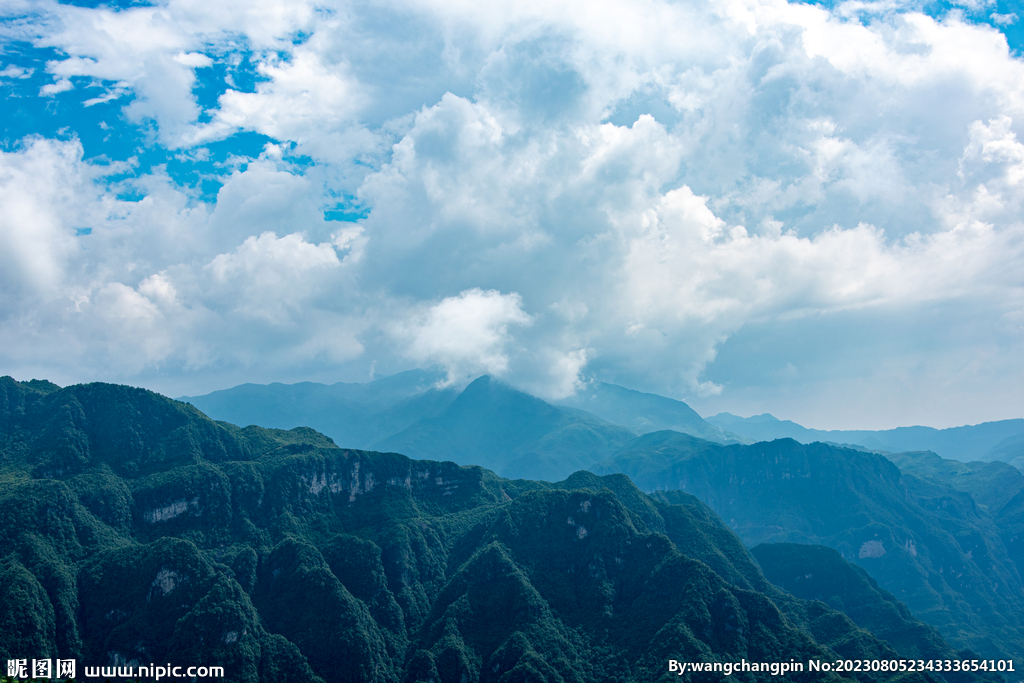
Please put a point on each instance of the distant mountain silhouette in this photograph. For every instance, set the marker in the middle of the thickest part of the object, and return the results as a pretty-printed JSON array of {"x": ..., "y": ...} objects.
[
  {"x": 488, "y": 423},
  {"x": 1010, "y": 449},
  {"x": 515, "y": 434},
  {"x": 972, "y": 442},
  {"x": 644, "y": 413},
  {"x": 354, "y": 415}
]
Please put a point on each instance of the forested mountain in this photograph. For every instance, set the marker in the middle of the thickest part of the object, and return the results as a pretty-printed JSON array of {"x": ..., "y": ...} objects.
[
  {"x": 815, "y": 572},
  {"x": 136, "y": 530},
  {"x": 1001, "y": 440},
  {"x": 997, "y": 488},
  {"x": 927, "y": 543},
  {"x": 1010, "y": 450}
]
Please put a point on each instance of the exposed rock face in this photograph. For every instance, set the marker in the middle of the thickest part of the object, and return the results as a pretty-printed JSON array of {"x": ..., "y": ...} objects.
[
  {"x": 872, "y": 549},
  {"x": 171, "y": 510}
]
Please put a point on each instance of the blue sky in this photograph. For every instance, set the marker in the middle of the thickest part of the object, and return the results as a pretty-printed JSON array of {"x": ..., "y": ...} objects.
[{"x": 810, "y": 209}]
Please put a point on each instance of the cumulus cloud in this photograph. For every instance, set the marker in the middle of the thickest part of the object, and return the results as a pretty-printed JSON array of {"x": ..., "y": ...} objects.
[
  {"x": 259, "y": 278},
  {"x": 40, "y": 189},
  {"x": 540, "y": 191},
  {"x": 128, "y": 286},
  {"x": 468, "y": 335},
  {"x": 296, "y": 101}
]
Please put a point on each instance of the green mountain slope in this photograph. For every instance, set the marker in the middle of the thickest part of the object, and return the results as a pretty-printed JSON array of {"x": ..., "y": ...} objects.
[
  {"x": 997, "y": 487},
  {"x": 929, "y": 545},
  {"x": 1009, "y": 450},
  {"x": 135, "y": 530},
  {"x": 814, "y": 572},
  {"x": 991, "y": 484},
  {"x": 971, "y": 442}
]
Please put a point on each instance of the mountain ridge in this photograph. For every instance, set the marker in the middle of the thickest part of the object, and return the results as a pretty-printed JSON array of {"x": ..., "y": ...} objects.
[
  {"x": 263, "y": 549},
  {"x": 966, "y": 443},
  {"x": 928, "y": 544},
  {"x": 409, "y": 414}
]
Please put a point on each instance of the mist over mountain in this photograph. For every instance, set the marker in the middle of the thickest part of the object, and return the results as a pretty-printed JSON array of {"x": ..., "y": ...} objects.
[
  {"x": 643, "y": 413},
  {"x": 513, "y": 433},
  {"x": 374, "y": 413},
  {"x": 488, "y": 423},
  {"x": 353, "y": 414},
  {"x": 928, "y": 544},
  {"x": 997, "y": 487},
  {"x": 1010, "y": 449},
  {"x": 137, "y": 530},
  {"x": 1000, "y": 440}
]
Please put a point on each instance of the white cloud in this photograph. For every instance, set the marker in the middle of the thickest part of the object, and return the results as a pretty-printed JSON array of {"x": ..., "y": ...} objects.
[
  {"x": 468, "y": 334},
  {"x": 13, "y": 71},
  {"x": 995, "y": 145},
  {"x": 266, "y": 196},
  {"x": 265, "y": 277},
  {"x": 553, "y": 189},
  {"x": 299, "y": 99},
  {"x": 144, "y": 287},
  {"x": 156, "y": 50},
  {"x": 58, "y": 86},
  {"x": 196, "y": 60},
  {"x": 40, "y": 188}
]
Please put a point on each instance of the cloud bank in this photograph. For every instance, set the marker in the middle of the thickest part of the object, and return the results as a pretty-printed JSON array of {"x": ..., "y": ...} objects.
[{"x": 752, "y": 205}]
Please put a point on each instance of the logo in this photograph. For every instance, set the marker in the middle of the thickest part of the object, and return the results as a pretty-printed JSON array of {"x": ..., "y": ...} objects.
[{"x": 41, "y": 668}]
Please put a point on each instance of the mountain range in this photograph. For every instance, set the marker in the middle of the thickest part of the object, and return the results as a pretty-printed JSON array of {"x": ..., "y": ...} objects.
[
  {"x": 487, "y": 423},
  {"x": 945, "y": 549},
  {"x": 924, "y": 541},
  {"x": 1001, "y": 440},
  {"x": 401, "y": 410},
  {"x": 136, "y": 530}
]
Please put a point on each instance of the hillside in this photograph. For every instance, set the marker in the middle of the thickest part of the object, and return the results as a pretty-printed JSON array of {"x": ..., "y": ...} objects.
[
  {"x": 136, "y": 530},
  {"x": 986, "y": 441},
  {"x": 929, "y": 545},
  {"x": 814, "y": 572},
  {"x": 997, "y": 487},
  {"x": 1009, "y": 450}
]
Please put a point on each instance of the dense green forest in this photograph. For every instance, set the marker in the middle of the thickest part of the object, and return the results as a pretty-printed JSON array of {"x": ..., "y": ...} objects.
[
  {"x": 136, "y": 530},
  {"x": 929, "y": 544}
]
